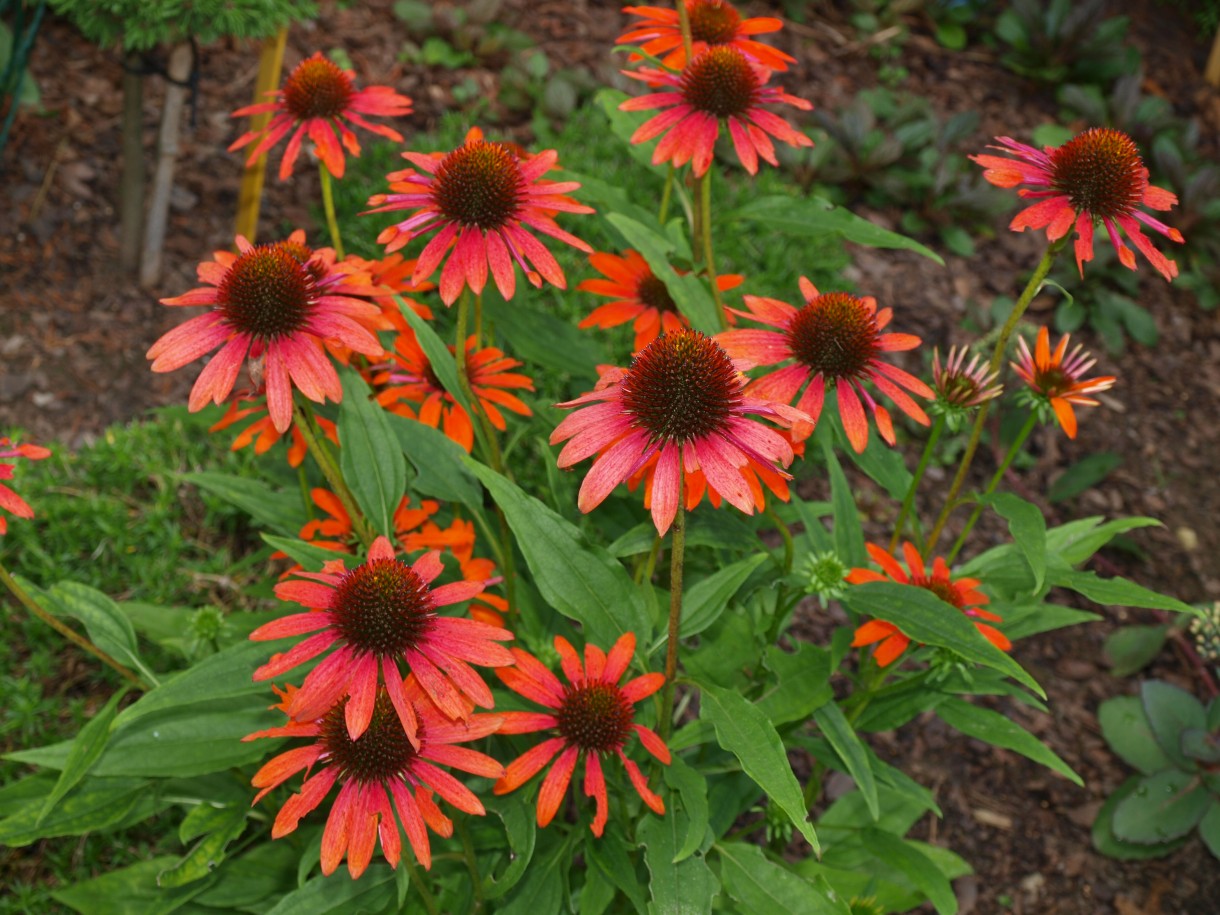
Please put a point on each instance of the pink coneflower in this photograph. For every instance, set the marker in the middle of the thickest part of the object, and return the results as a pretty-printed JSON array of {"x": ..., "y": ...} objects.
[
  {"x": 316, "y": 98},
  {"x": 712, "y": 23},
  {"x": 592, "y": 717},
  {"x": 961, "y": 386},
  {"x": 719, "y": 84},
  {"x": 682, "y": 403},
  {"x": 1058, "y": 378},
  {"x": 380, "y": 612},
  {"x": 278, "y": 306},
  {"x": 482, "y": 197},
  {"x": 1096, "y": 176},
  {"x": 381, "y": 773},
  {"x": 834, "y": 341},
  {"x": 9, "y": 500}
]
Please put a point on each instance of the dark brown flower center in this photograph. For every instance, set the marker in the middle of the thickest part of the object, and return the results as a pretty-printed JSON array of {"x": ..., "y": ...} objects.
[
  {"x": 1053, "y": 381},
  {"x": 383, "y": 607},
  {"x": 304, "y": 255},
  {"x": 1101, "y": 172},
  {"x": 317, "y": 88},
  {"x": 595, "y": 716},
  {"x": 479, "y": 184},
  {"x": 382, "y": 752},
  {"x": 721, "y": 82},
  {"x": 942, "y": 589},
  {"x": 267, "y": 293},
  {"x": 681, "y": 387},
  {"x": 654, "y": 293},
  {"x": 835, "y": 334},
  {"x": 712, "y": 21}
]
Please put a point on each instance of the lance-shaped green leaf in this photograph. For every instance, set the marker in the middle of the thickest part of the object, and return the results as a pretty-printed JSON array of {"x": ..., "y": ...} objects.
[
  {"x": 438, "y": 462},
  {"x": 1028, "y": 529},
  {"x": 218, "y": 827},
  {"x": 692, "y": 788},
  {"x": 763, "y": 886},
  {"x": 86, "y": 748},
  {"x": 848, "y": 533},
  {"x": 373, "y": 892},
  {"x": 677, "y": 887},
  {"x": 439, "y": 357},
  {"x": 851, "y": 751},
  {"x": 309, "y": 556},
  {"x": 129, "y": 891},
  {"x": 906, "y": 858},
  {"x": 370, "y": 457},
  {"x": 1000, "y": 731},
  {"x": 277, "y": 509},
  {"x": 705, "y": 600}
]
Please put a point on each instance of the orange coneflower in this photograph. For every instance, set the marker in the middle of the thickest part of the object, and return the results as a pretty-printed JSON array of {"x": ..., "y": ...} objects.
[
  {"x": 712, "y": 23},
  {"x": 1057, "y": 378},
  {"x": 9, "y": 500}
]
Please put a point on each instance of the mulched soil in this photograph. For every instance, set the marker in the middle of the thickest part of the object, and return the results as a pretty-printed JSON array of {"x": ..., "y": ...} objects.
[{"x": 73, "y": 331}]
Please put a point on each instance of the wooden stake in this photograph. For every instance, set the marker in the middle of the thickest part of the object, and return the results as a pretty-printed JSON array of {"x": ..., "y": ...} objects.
[
  {"x": 1212, "y": 73},
  {"x": 181, "y": 59},
  {"x": 131, "y": 184},
  {"x": 270, "y": 62}
]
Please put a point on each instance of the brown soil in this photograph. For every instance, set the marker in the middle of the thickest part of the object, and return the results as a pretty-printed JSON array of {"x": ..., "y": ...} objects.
[{"x": 73, "y": 331}]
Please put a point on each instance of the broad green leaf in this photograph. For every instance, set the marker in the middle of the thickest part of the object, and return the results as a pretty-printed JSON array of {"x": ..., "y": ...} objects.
[
  {"x": 1116, "y": 591},
  {"x": 926, "y": 618},
  {"x": 1162, "y": 807},
  {"x": 1024, "y": 620},
  {"x": 576, "y": 577},
  {"x": 692, "y": 787},
  {"x": 762, "y": 886},
  {"x": 370, "y": 456},
  {"x": 1125, "y": 728},
  {"x": 340, "y": 895},
  {"x": 1170, "y": 710},
  {"x": 689, "y": 293},
  {"x": 744, "y": 730},
  {"x": 92, "y": 805},
  {"x": 1209, "y": 829},
  {"x": 813, "y": 217},
  {"x": 1106, "y": 842},
  {"x": 307, "y": 555},
  {"x": 1000, "y": 731},
  {"x": 544, "y": 338},
  {"x": 1083, "y": 475},
  {"x": 518, "y": 818},
  {"x": 686, "y": 887},
  {"x": 541, "y": 889},
  {"x": 130, "y": 891},
  {"x": 437, "y": 460},
  {"x": 838, "y": 732},
  {"x": 810, "y": 515},
  {"x": 439, "y": 357},
  {"x": 1132, "y": 648},
  {"x": 904, "y": 857},
  {"x": 277, "y": 509},
  {"x": 23, "y": 792},
  {"x": 709, "y": 597},
  {"x": 1028, "y": 529},
  {"x": 218, "y": 826},
  {"x": 609, "y": 854},
  {"x": 86, "y": 748},
  {"x": 267, "y": 869},
  {"x": 1076, "y": 541},
  {"x": 804, "y": 683},
  {"x": 848, "y": 533},
  {"x": 597, "y": 893}
]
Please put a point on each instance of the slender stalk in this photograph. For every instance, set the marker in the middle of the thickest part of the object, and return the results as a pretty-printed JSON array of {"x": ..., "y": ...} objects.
[
  {"x": 997, "y": 358},
  {"x": 316, "y": 444},
  {"x": 66, "y": 631},
  {"x": 425, "y": 894},
  {"x": 478, "y": 321},
  {"x": 644, "y": 571},
  {"x": 666, "y": 195},
  {"x": 328, "y": 205},
  {"x": 908, "y": 501},
  {"x": 676, "y": 557},
  {"x": 784, "y": 533},
  {"x": 471, "y": 864},
  {"x": 1013, "y": 450},
  {"x": 684, "y": 25},
  {"x": 306, "y": 498},
  {"x": 705, "y": 230}
]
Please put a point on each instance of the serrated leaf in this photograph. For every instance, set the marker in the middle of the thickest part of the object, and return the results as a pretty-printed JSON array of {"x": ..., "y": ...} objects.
[
  {"x": 678, "y": 886},
  {"x": 745, "y": 731},
  {"x": 279, "y": 510},
  {"x": 576, "y": 577},
  {"x": 370, "y": 457},
  {"x": 87, "y": 746},
  {"x": 1028, "y": 529},
  {"x": 760, "y": 885},
  {"x": 1000, "y": 731},
  {"x": 839, "y": 733},
  {"x": 926, "y": 618}
]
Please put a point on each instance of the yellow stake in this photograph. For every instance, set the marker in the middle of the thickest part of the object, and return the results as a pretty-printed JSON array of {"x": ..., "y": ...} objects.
[{"x": 270, "y": 62}]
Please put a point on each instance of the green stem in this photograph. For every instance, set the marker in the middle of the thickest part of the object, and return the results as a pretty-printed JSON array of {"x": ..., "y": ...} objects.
[
  {"x": 66, "y": 631},
  {"x": 644, "y": 571},
  {"x": 425, "y": 894},
  {"x": 478, "y": 322},
  {"x": 684, "y": 26},
  {"x": 306, "y": 498},
  {"x": 328, "y": 205},
  {"x": 316, "y": 444},
  {"x": 908, "y": 501},
  {"x": 471, "y": 864},
  {"x": 676, "y": 557},
  {"x": 1013, "y": 450},
  {"x": 997, "y": 358},
  {"x": 666, "y": 195},
  {"x": 705, "y": 229},
  {"x": 782, "y": 529}
]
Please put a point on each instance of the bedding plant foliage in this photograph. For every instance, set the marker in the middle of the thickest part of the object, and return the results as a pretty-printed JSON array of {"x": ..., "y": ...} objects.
[{"x": 539, "y": 638}]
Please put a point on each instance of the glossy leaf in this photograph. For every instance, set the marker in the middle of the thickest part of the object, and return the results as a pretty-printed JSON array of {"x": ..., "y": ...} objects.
[
  {"x": 760, "y": 885},
  {"x": 1001, "y": 731}
]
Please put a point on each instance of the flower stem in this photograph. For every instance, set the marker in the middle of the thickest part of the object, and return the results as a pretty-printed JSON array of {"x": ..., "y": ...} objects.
[
  {"x": 67, "y": 632},
  {"x": 1013, "y": 450},
  {"x": 684, "y": 26},
  {"x": 328, "y": 206},
  {"x": 308, "y": 427},
  {"x": 666, "y": 195},
  {"x": 471, "y": 864},
  {"x": 997, "y": 358},
  {"x": 676, "y": 557},
  {"x": 705, "y": 218},
  {"x": 425, "y": 894},
  {"x": 908, "y": 501}
]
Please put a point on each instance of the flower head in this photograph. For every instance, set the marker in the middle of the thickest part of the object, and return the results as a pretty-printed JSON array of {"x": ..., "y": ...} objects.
[
  {"x": 590, "y": 716},
  {"x": 9, "y": 500},
  {"x": 962, "y": 594},
  {"x": 334, "y": 531},
  {"x": 262, "y": 432},
  {"x": 317, "y": 98},
  {"x": 682, "y": 403},
  {"x": 720, "y": 84},
  {"x": 278, "y": 306},
  {"x": 459, "y": 539},
  {"x": 410, "y": 379},
  {"x": 379, "y": 613},
  {"x": 1057, "y": 378},
  {"x": 639, "y": 296},
  {"x": 382, "y": 772},
  {"x": 712, "y": 23},
  {"x": 481, "y": 197},
  {"x": 834, "y": 341},
  {"x": 1097, "y": 176},
  {"x": 960, "y": 386}
]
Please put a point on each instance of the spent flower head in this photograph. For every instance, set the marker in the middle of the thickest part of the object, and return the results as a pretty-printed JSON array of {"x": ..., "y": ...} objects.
[
  {"x": 1096, "y": 177},
  {"x": 1055, "y": 380}
]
